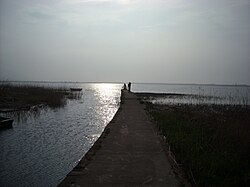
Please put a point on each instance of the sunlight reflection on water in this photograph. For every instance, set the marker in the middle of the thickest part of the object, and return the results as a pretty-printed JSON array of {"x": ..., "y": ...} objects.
[{"x": 44, "y": 146}]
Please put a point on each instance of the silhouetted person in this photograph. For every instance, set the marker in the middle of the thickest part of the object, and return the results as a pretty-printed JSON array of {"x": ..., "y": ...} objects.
[
  {"x": 129, "y": 86},
  {"x": 124, "y": 86}
]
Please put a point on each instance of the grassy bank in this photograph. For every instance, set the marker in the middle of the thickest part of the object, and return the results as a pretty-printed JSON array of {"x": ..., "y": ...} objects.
[
  {"x": 15, "y": 97},
  {"x": 212, "y": 143}
]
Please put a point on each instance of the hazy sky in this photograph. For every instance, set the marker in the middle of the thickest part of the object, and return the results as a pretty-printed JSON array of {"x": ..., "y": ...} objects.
[{"x": 167, "y": 41}]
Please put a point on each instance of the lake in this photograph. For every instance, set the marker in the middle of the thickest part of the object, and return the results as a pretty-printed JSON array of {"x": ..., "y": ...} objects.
[{"x": 45, "y": 145}]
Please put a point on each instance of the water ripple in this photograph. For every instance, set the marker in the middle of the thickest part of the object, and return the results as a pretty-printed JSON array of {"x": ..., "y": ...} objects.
[{"x": 44, "y": 146}]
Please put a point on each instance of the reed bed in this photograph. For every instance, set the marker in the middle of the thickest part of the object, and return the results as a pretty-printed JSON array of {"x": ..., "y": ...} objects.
[
  {"x": 210, "y": 141},
  {"x": 19, "y": 97}
]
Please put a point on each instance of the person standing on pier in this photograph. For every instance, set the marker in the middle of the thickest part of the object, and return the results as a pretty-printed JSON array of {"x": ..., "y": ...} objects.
[
  {"x": 129, "y": 86},
  {"x": 124, "y": 86}
]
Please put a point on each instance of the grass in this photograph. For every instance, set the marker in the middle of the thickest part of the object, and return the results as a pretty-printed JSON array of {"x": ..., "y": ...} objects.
[
  {"x": 23, "y": 96},
  {"x": 211, "y": 142}
]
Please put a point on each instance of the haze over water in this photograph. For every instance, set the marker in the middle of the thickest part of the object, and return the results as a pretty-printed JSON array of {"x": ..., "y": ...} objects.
[{"x": 155, "y": 41}]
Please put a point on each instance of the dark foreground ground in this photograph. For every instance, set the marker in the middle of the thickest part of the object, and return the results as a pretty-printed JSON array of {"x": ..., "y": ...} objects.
[
  {"x": 210, "y": 142},
  {"x": 128, "y": 153}
]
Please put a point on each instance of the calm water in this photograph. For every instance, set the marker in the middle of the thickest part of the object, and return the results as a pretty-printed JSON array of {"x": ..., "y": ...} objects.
[
  {"x": 200, "y": 94},
  {"x": 45, "y": 145}
]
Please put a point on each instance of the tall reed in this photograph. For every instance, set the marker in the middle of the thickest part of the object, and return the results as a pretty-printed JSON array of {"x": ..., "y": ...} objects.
[
  {"x": 26, "y": 95},
  {"x": 212, "y": 143}
]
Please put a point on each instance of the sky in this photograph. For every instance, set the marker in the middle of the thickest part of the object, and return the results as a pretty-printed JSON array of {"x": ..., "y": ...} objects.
[{"x": 156, "y": 41}]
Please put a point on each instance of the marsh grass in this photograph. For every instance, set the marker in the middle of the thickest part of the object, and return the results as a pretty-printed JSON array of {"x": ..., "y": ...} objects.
[
  {"x": 234, "y": 96},
  {"x": 24, "y": 97},
  {"x": 212, "y": 142}
]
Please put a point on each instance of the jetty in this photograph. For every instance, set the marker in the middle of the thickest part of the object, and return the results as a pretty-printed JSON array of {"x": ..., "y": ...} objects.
[{"x": 128, "y": 153}]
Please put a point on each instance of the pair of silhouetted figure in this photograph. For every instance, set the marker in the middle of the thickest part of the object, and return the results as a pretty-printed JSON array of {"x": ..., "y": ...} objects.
[{"x": 125, "y": 86}]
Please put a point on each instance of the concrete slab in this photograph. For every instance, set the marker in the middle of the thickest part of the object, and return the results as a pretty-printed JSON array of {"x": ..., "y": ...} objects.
[{"x": 128, "y": 153}]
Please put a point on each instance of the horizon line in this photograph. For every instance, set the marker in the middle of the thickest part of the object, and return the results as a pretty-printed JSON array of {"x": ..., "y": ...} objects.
[{"x": 119, "y": 82}]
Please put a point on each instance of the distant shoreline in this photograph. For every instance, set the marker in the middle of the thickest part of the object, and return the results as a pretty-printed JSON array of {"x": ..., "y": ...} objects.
[{"x": 97, "y": 82}]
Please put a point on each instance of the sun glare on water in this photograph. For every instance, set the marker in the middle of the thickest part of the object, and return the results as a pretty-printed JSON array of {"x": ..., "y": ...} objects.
[
  {"x": 107, "y": 93},
  {"x": 108, "y": 97},
  {"x": 105, "y": 90}
]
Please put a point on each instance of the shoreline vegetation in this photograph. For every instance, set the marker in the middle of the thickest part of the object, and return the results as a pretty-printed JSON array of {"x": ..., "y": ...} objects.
[
  {"x": 25, "y": 97},
  {"x": 210, "y": 142}
]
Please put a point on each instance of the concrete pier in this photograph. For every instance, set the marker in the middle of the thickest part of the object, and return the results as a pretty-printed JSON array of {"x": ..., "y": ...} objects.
[{"x": 128, "y": 153}]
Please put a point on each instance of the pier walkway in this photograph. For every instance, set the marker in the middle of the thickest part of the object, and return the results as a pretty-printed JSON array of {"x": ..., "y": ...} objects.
[{"x": 128, "y": 153}]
